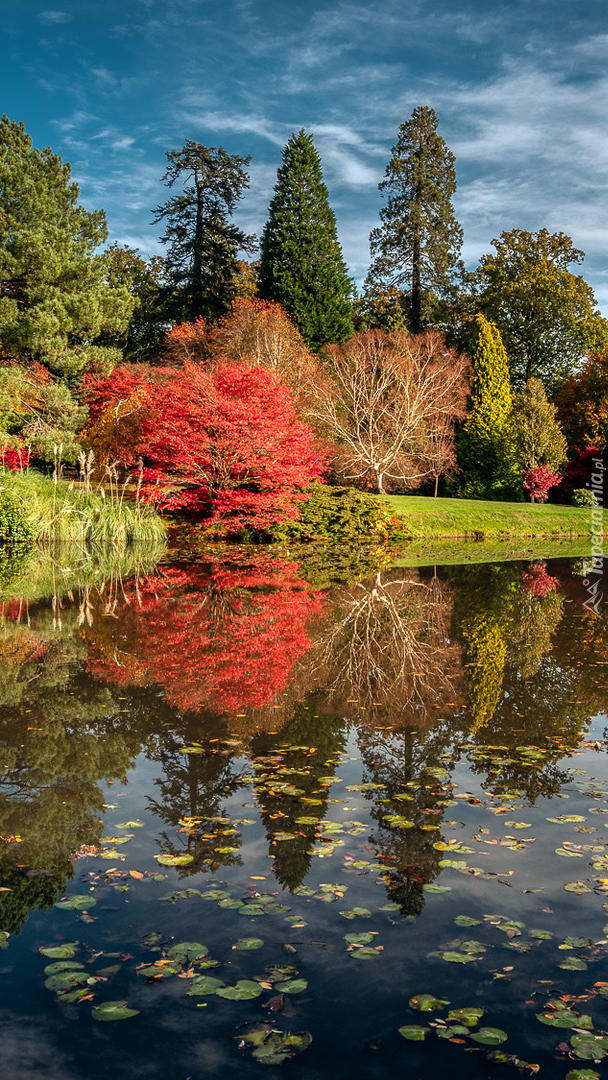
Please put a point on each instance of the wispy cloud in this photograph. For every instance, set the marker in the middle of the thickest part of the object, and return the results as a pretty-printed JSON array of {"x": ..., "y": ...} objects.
[{"x": 56, "y": 17}]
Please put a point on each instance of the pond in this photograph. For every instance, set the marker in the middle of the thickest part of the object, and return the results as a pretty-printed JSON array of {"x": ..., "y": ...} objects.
[{"x": 261, "y": 814}]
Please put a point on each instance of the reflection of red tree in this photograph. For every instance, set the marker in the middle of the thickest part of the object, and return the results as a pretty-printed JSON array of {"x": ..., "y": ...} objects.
[
  {"x": 537, "y": 581},
  {"x": 219, "y": 636}
]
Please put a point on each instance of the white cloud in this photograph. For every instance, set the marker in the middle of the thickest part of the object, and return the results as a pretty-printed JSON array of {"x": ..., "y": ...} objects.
[{"x": 55, "y": 17}]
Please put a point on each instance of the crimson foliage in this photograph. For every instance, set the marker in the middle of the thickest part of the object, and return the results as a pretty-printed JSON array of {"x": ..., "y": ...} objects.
[{"x": 226, "y": 445}]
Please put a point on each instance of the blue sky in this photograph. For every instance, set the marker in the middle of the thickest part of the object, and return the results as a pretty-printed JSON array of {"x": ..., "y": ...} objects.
[{"x": 521, "y": 90}]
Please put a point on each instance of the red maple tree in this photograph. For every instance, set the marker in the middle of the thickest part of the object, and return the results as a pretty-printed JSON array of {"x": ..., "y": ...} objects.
[
  {"x": 226, "y": 445},
  {"x": 539, "y": 481}
]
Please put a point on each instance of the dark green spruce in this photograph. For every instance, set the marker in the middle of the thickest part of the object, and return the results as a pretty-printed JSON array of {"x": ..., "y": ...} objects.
[{"x": 301, "y": 265}]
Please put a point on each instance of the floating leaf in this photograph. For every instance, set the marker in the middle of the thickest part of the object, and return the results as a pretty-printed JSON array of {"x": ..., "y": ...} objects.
[
  {"x": 356, "y": 913},
  {"x": 60, "y": 952},
  {"x": 205, "y": 984},
  {"x": 77, "y": 902},
  {"x": 248, "y": 944},
  {"x": 365, "y": 953},
  {"x": 413, "y": 1032},
  {"x": 594, "y": 1047},
  {"x": 245, "y": 990},
  {"x": 489, "y": 1036},
  {"x": 359, "y": 939},
  {"x": 292, "y": 986},
  {"x": 113, "y": 1010},
  {"x": 175, "y": 860},
  {"x": 470, "y": 1017},
  {"x": 427, "y": 1003}
]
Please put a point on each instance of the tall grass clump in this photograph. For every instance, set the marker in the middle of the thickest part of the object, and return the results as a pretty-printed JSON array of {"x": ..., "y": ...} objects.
[{"x": 67, "y": 511}]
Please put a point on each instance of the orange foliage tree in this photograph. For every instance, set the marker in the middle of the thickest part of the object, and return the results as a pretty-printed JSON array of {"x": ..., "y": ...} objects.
[{"x": 582, "y": 404}]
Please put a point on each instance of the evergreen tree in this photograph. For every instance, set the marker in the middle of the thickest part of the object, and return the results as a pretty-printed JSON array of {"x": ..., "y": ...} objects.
[
  {"x": 301, "y": 263},
  {"x": 538, "y": 437},
  {"x": 486, "y": 444},
  {"x": 56, "y": 303},
  {"x": 203, "y": 243},
  {"x": 417, "y": 245}
]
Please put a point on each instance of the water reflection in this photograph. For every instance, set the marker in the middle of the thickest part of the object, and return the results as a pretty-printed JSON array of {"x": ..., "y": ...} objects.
[{"x": 237, "y": 670}]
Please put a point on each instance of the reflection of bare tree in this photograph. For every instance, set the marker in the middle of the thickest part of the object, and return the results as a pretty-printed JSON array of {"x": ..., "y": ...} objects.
[{"x": 388, "y": 650}]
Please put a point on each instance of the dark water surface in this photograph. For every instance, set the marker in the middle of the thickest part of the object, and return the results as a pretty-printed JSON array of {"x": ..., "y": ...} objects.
[{"x": 346, "y": 793}]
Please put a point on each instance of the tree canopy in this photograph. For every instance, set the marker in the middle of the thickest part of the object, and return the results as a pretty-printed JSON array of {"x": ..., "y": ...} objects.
[
  {"x": 547, "y": 316},
  {"x": 56, "y": 303},
  {"x": 417, "y": 244},
  {"x": 301, "y": 265},
  {"x": 203, "y": 243}
]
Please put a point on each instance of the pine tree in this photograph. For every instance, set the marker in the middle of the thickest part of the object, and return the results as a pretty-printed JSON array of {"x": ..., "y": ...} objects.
[
  {"x": 56, "y": 303},
  {"x": 486, "y": 445},
  {"x": 203, "y": 244},
  {"x": 301, "y": 264},
  {"x": 417, "y": 245}
]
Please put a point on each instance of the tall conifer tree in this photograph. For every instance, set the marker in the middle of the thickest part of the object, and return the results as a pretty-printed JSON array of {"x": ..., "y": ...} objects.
[
  {"x": 202, "y": 241},
  {"x": 301, "y": 263},
  {"x": 486, "y": 445},
  {"x": 417, "y": 244}
]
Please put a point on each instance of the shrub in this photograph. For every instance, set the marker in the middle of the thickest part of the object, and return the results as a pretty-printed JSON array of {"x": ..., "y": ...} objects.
[
  {"x": 16, "y": 529},
  {"x": 341, "y": 515},
  {"x": 539, "y": 481},
  {"x": 15, "y": 457},
  {"x": 584, "y": 497}
]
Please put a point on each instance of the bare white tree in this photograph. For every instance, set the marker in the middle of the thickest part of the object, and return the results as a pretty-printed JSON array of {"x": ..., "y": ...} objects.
[{"x": 389, "y": 403}]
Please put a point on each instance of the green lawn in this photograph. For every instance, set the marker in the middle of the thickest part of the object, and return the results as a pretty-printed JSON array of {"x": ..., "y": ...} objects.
[{"x": 436, "y": 519}]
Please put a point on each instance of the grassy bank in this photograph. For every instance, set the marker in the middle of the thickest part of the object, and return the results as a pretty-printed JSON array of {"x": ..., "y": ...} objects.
[
  {"x": 472, "y": 519},
  {"x": 61, "y": 513}
]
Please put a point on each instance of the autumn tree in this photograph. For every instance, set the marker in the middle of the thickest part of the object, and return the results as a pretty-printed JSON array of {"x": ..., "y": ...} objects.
[
  {"x": 417, "y": 244},
  {"x": 486, "y": 443},
  {"x": 202, "y": 242},
  {"x": 56, "y": 302},
  {"x": 383, "y": 399},
  {"x": 227, "y": 445},
  {"x": 582, "y": 404},
  {"x": 547, "y": 316},
  {"x": 301, "y": 264},
  {"x": 254, "y": 333}
]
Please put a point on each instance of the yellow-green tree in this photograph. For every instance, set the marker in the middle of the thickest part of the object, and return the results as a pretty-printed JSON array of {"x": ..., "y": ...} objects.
[{"x": 486, "y": 445}]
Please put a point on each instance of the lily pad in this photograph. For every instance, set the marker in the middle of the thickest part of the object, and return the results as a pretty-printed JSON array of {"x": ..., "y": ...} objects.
[
  {"x": 205, "y": 984},
  {"x": 413, "y": 1032},
  {"x": 175, "y": 860},
  {"x": 248, "y": 944},
  {"x": 60, "y": 952},
  {"x": 292, "y": 986},
  {"x": 470, "y": 1017},
  {"x": 113, "y": 1010},
  {"x": 77, "y": 902},
  {"x": 427, "y": 1003},
  {"x": 245, "y": 990},
  {"x": 489, "y": 1036}
]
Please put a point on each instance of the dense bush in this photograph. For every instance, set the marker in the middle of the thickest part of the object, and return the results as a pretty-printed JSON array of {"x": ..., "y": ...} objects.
[
  {"x": 16, "y": 530},
  {"x": 342, "y": 515},
  {"x": 584, "y": 497}
]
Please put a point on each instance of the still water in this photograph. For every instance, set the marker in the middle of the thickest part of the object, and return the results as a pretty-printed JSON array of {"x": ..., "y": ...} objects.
[{"x": 259, "y": 815}]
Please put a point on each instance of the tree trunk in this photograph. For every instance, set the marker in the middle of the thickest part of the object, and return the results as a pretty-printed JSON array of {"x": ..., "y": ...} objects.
[
  {"x": 436, "y": 486},
  {"x": 196, "y": 307},
  {"x": 416, "y": 286},
  {"x": 379, "y": 480}
]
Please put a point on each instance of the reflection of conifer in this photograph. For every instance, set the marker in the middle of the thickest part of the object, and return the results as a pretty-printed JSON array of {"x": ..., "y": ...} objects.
[
  {"x": 300, "y": 768},
  {"x": 400, "y": 762},
  {"x": 196, "y": 786}
]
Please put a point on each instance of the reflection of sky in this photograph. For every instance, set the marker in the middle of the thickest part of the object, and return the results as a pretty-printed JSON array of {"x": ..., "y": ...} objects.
[{"x": 520, "y": 90}]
